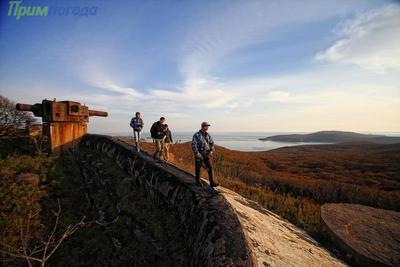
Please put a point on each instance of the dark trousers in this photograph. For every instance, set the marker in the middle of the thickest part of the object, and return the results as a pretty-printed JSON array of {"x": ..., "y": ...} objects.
[{"x": 205, "y": 162}]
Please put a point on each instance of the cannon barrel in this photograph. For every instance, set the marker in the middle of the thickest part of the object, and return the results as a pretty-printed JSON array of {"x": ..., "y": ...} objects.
[
  {"x": 97, "y": 113},
  {"x": 24, "y": 107}
]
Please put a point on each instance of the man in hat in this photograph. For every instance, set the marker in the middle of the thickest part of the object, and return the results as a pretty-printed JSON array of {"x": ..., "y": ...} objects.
[
  {"x": 137, "y": 126},
  {"x": 203, "y": 147}
]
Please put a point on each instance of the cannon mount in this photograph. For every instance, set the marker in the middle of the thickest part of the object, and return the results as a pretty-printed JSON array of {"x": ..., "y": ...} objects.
[{"x": 64, "y": 122}]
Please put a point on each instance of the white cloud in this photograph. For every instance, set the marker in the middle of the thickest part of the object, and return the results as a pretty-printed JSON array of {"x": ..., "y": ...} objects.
[
  {"x": 332, "y": 97},
  {"x": 221, "y": 35},
  {"x": 371, "y": 40},
  {"x": 131, "y": 92},
  {"x": 308, "y": 90},
  {"x": 244, "y": 24},
  {"x": 279, "y": 96},
  {"x": 196, "y": 92},
  {"x": 329, "y": 98}
]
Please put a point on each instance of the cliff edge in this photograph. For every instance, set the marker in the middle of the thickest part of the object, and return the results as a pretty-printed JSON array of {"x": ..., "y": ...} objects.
[{"x": 274, "y": 241}]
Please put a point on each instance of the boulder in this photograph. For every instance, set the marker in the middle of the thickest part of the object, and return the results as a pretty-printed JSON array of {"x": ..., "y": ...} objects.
[{"x": 368, "y": 236}]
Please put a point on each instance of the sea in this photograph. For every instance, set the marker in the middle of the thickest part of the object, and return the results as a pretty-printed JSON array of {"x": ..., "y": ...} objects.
[
  {"x": 239, "y": 141},
  {"x": 242, "y": 141}
]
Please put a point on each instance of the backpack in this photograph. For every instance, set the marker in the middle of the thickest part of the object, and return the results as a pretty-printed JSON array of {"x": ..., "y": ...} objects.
[{"x": 153, "y": 130}]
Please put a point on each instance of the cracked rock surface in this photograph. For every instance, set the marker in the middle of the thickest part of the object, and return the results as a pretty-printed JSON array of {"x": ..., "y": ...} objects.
[{"x": 274, "y": 241}]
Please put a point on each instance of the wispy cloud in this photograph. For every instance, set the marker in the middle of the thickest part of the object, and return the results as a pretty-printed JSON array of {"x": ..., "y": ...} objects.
[
  {"x": 328, "y": 97},
  {"x": 127, "y": 91},
  {"x": 196, "y": 92},
  {"x": 371, "y": 40},
  {"x": 245, "y": 24},
  {"x": 118, "y": 72}
]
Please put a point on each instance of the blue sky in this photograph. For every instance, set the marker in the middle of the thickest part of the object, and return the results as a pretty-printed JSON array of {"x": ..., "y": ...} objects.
[{"x": 241, "y": 65}]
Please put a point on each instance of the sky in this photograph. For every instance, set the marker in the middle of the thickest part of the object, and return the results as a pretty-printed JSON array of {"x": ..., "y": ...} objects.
[{"x": 271, "y": 66}]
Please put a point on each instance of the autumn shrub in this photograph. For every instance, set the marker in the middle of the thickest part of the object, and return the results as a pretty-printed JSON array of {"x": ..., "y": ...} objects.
[
  {"x": 20, "y": 194},
  {"x": 302, "y": 212}
]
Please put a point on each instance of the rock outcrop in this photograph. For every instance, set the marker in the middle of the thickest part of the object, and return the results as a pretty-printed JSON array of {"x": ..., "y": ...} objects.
[
  {"x": 274, "y": 241},
  {"x": 211, "y": 229},
  {"x": 369, "y": 236}
]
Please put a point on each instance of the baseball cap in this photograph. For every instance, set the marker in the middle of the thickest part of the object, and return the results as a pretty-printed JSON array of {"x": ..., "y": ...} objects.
[{"x": 204, "y": 123}]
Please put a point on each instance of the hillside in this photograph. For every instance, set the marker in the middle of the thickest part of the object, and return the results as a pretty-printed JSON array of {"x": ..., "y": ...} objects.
[
  {"x": 131, "y": 227},
  {"x": 270, "y": 192},
  {"x": 333, "y": 137},
  {"x": 295, "y": 181}
]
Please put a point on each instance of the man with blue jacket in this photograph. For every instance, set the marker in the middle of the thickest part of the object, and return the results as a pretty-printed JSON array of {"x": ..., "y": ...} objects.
[
  {"x": 203, "y": 147},
  {"x": 137, "y": 126}
]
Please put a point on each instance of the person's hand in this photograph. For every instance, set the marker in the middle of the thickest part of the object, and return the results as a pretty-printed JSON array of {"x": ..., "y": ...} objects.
[
  {"x": 198, "y": 155},
  {"x": 158, "y": 133},
  {"x": 211, "y": 153}
]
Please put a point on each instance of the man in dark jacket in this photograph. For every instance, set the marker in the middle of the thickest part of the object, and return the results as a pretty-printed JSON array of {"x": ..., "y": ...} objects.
[
  {"x": 203, "y": 147},
  {"x": 137, "y": 126},
  {"x": 158, "y": 134}
]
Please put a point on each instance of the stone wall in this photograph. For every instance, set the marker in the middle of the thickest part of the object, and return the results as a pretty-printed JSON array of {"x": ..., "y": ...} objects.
[{"x": 210, "y": 226}]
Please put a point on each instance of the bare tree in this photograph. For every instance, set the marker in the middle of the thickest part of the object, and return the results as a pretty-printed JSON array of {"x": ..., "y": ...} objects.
[
  {"x": 36, "y": 248},
  {"x": 12, "y": 120}
]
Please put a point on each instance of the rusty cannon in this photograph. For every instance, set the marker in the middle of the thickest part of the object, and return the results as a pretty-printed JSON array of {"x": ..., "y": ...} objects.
[{"x": 63, "y": 122}]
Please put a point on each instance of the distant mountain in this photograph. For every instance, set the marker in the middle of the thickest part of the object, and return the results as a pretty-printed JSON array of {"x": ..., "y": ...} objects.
[{"x": 333, "y": 137}]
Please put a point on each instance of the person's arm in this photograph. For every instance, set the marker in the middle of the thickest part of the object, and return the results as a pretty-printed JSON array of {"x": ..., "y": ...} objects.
[
  {"x": 170, "y": 137},
  {"x": 132, "y": 124},
  {"x": 194, "y": 144},
  {"x": 212, "y": 145}
]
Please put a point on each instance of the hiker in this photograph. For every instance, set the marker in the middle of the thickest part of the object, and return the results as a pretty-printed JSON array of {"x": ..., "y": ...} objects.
[
  {"x": 158, "y": 134},
  {"x": 203, "y": 148},
  {"x": 168, "y": 141},
  {"x": 137, "y": 126}
]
